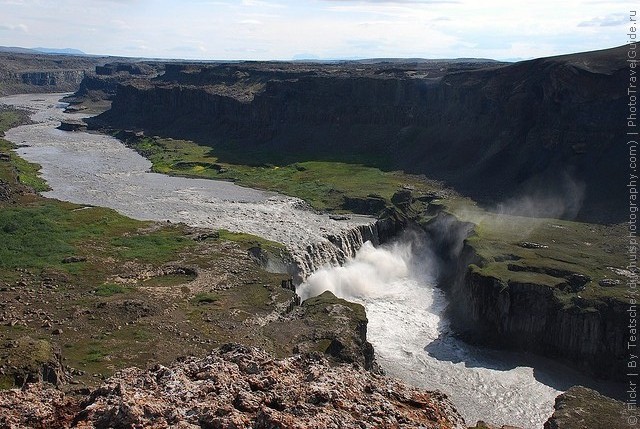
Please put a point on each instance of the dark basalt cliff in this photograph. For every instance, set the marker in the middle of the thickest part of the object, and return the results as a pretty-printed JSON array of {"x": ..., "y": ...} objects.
[
  {"x": 33, "y": 73},
  {"x": 491, "y": 130},
  {"x": 591, "y": 334}
]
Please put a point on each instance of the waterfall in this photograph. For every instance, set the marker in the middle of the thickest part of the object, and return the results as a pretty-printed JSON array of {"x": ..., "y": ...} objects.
[{"x": 335, "y": 249}]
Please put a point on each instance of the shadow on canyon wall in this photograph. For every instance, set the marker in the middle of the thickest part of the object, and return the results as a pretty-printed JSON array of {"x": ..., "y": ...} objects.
[{"x": 492, "y": 131}]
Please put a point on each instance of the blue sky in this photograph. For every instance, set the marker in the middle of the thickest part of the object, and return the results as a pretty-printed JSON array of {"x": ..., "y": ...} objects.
[{"x": 284, "y": 29}]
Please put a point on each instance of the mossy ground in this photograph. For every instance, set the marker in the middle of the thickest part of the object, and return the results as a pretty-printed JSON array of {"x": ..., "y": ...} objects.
[
  {"x": 323, "y": 184},
  {"x": 581, "y": 408},
  {"x": 507, "y": 246},
  {"x": 17, "y": 169},
  {"x": 96, "y": 284}
]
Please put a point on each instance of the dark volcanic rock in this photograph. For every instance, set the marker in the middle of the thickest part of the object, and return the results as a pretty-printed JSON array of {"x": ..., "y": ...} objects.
[
  {"x": 72, "y": 125},
  {"x": 545, "y": 128},
  {"x": 581, "y": 408},
  {"x": 372, "y": 204},
  {"x": 5, "y": 191}
]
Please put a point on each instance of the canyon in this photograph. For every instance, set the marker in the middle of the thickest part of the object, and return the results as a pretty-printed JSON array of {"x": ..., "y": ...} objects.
[{"x": 492, "y": 131}]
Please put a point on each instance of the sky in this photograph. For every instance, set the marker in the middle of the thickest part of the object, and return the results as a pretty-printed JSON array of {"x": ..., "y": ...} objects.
[{"x": 317, "y": 29}]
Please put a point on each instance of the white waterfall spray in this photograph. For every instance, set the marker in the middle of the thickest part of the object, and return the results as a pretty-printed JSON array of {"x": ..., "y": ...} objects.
[{"x": 412, "y": 339}]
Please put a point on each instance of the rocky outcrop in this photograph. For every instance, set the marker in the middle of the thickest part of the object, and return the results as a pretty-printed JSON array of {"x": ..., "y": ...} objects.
[
  {"x": 33, "y": 73},
  {"x": 27, "y": 360},
  {"x": 580, "y": 408},
  {"x": 339, "y": 330},
  {"x": 493, "y": 132},
  {"x": 236, "y": 387},
  {"x": 483, "y": 425},
  {"x": 589, "y": 333},
  {"x": 5, "y": 189},
  {"x": 72, "y": 125}
]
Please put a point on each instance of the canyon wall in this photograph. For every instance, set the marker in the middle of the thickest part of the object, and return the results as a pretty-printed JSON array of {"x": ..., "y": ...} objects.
[
  {"x": 37, "y": 73},
  {"x": 590, "y": 334},
  {"x": 493, "y": 131}
]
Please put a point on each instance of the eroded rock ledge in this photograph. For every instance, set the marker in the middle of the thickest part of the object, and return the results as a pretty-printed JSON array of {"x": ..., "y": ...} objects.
[{"x": 235, "y": 387}]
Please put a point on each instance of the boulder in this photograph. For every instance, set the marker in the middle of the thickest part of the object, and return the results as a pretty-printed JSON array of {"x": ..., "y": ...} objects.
[{"x": 236, "y": 386}]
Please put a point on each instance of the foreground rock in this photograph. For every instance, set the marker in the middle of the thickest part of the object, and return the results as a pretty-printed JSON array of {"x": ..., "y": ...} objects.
[
  {"x": 580, "y": 408},
  {"x": 235, "y": 387}
]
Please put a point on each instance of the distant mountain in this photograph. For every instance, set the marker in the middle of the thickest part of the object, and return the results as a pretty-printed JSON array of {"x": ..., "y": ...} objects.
[
  {"x": 64, "y": 51},
  {"x": 56, "y": 51},
  {"x": 17, "y": 50}
]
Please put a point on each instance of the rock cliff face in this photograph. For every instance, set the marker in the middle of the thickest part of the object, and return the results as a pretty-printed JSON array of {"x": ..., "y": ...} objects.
[
  {"x": 32, "y": 73},
  {"x": 591, "y": 334},
  {"x": 236, "y": 387},
  {"x": 580, "y": 408},
  {"x": 61, "y": 80},
  {"x": 494, "y": 131},
  {"x": 533, "y": 317}
]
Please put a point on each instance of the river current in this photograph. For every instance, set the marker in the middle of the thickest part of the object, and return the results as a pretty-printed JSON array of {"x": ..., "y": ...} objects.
[
  {"x": 91, "y": 168},
  {"x": 406, "y": 312}
]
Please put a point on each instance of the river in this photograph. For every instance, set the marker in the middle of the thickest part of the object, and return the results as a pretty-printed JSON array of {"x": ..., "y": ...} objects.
[
  {"x": 95, "y": 169},
  {"x": 405, "y": 310}
]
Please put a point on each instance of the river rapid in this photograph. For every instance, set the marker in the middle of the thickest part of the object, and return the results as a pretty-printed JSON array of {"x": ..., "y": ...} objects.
[
  {"x": 407, "y": 327},
  {"x": 413, "y": 340}
]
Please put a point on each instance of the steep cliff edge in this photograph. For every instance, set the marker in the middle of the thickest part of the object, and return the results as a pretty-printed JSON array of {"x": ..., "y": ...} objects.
[
  {"x": 522, "y": 295},
  {"x": 33, "y": 73},
  {"x": 232, "y": 387},
  {"x": 493, "y": 131},
  {"x": 580, "y": 408}
]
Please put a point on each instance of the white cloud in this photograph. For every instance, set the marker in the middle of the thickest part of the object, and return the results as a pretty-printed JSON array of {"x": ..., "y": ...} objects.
[
  {"x": 19, "y": 28},
  {"x": 262, "y": 29},
  {"x": 612, "y": 20}
]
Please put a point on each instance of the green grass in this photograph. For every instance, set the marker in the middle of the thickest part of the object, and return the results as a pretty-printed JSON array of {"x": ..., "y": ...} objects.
[
  {"x": 42, "y": 234},
  {"x": 323, "y": 184},
  {"x": 9, "y": 118},
  {"x": 34, "y": 236},
  {"x": 206, "y": 298},
  {"x": 168, "y": 280},
  {"x": 28, "y": 174},
  {"x": 574, "y": 247},
  {"x": 249, "y": 240},
  {"x": 25, "y": 172},
  {"x": 110, "y": 289},
  {"x": 151, "y": 247},
  {"x": 94, "y": 355}
]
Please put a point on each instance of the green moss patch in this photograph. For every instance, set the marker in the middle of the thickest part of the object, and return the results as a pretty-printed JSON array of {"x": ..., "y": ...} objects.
[{"x": 323, "y": 184}]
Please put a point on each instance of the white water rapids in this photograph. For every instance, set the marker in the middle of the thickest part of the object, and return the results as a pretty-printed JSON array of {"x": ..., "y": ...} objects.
[
  {"x": 405, "y": 310},
  {"x": 412, "y": 340}
]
